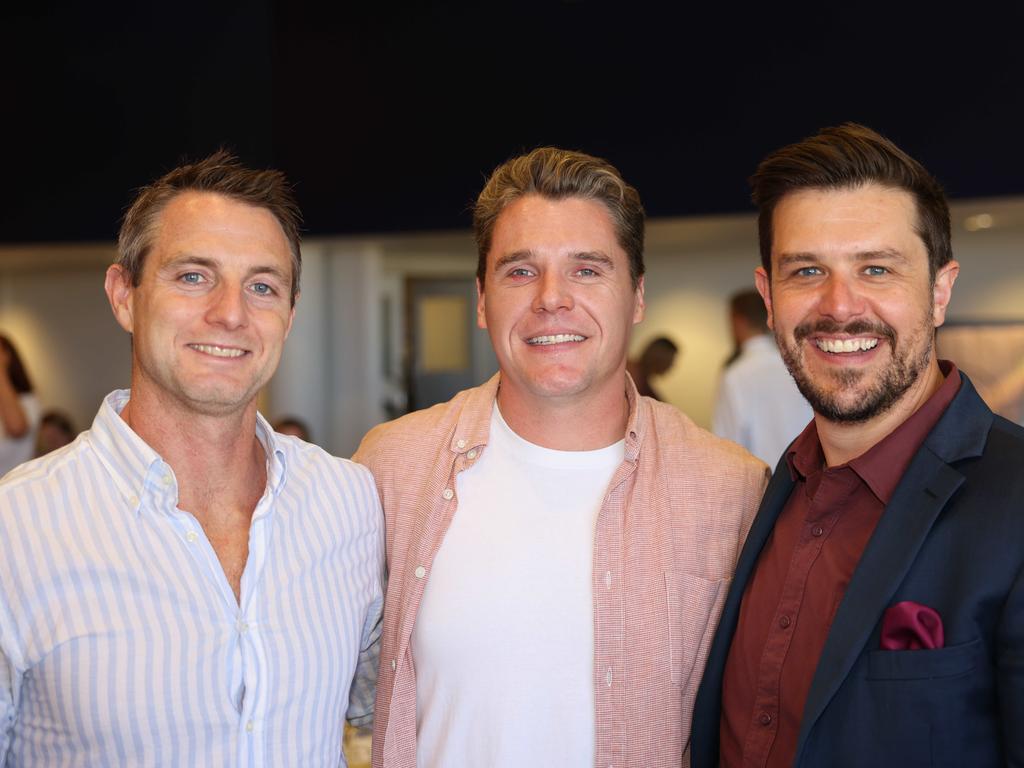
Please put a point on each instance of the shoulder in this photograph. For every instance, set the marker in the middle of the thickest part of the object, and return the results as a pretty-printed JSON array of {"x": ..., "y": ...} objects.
[
  {"x": 677, "y": 435},
  {"x": 308, "y": 463},
  {"x": 50, "y": 479},
  {"x": 423, "y": 429}
]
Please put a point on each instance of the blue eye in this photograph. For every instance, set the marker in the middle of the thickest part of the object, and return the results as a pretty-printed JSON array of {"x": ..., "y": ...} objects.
[
  {"x": 876, "y": 271},
  {"x": 262, "y": 289},
  {"x": 587, "y": 272},
  {"x": 191, "y": 277},
  {"x": 809, "y": 271}
]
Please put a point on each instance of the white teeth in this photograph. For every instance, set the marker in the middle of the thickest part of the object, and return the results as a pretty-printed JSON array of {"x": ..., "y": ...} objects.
[
  {"x": 846, "y": 345},
  {"x": 558, "y": 338},
  {"x": 210, "y": 349}
]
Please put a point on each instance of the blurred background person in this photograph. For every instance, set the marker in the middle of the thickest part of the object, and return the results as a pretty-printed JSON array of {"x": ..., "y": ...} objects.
[
  {"x": 657, "y": 359},
  {"x": 19, "y": 409},
  {"x": 55, "y": 431},
  {"x": 758, "y": 404},
  {"x": 294, "y": 426}
]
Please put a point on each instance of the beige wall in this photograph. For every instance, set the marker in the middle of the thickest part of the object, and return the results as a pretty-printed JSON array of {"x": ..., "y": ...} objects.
[{"x": 52, "y": 303}]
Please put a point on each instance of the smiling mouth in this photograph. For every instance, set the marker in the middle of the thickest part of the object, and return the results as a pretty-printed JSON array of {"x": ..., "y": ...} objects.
[
  {"x": 558, "y": 338},
  {"x": 840, "y": 346},
  {"x": 215, "y": 351}
]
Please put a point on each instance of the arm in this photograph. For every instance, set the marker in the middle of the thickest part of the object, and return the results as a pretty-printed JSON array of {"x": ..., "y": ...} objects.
[
  {"x": 364, "y": 682},
  {"x": 10, "y": 685},
  {"x": 12, "y": 415},
  {"x": 1010, "y": 673}
]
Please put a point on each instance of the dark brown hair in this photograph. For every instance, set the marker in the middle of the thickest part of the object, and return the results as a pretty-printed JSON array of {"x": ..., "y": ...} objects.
[
  {"x": 846, "y": 157},
  {"x": 221, "y": 173},
  {"x": 558, "y": 174}
]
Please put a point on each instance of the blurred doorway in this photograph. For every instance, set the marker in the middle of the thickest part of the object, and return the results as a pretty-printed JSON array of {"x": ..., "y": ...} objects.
[{"x": 446, "y": 352}]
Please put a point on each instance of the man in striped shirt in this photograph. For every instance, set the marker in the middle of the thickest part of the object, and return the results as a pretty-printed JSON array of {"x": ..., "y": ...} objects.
[
  {"x": 181, "y": 586},
  {"x": 559, "y": 547}
]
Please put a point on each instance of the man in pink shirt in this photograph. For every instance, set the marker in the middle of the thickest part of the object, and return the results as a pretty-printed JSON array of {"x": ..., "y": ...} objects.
[{"x": 558, "y": 546}]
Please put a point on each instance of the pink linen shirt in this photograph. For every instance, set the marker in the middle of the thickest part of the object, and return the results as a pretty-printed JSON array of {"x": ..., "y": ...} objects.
[{"x": 665, "y": 545}]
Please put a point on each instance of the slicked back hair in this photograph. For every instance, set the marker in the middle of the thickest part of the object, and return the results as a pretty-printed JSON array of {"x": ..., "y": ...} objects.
[
  {"x": 221, "y": 173},
  {"x": 847, "y": 157},
  {"x": 558, "y": 174}
]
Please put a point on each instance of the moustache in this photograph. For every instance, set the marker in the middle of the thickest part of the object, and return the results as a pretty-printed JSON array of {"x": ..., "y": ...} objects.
[{"x": 854, "y": 328}]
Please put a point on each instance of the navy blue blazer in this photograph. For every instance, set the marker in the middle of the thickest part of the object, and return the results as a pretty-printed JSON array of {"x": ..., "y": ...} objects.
[{"x": 951, "y": 538}]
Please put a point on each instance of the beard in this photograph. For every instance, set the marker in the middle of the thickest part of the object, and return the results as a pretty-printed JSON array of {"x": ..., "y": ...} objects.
[{"x": 832, "y": 398}]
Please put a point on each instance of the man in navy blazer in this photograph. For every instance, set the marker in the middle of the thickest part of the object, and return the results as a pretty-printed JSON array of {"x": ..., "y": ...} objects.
[{"x": 876, "y": 617}]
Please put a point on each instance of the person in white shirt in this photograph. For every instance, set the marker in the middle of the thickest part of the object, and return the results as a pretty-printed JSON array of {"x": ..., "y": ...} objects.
[
  {"x": 181, "y": 586},
  {"x": 758, "y": 404}
]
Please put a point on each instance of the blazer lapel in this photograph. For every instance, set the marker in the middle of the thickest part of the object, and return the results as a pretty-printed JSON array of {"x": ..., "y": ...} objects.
[{"x": 928, "y": 484}]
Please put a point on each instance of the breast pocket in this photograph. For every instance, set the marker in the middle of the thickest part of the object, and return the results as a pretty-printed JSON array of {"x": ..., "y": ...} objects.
[
  {"x": 694, "y": 604},
  {"x": 924, "y": 664}
]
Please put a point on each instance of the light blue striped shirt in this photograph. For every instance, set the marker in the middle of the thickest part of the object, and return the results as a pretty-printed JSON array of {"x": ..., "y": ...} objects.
[{"x": 121, "y": 643}]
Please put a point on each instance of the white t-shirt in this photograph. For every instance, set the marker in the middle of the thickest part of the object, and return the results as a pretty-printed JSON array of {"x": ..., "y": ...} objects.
[
  {"x": 504, "y": 641},
  {"x": 18, "y": 450}
]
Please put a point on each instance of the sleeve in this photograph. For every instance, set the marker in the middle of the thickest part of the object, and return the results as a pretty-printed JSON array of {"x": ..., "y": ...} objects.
[
  {"x": 1010, "y": 674},
  {"x": 364, "y": 682},
  {"x": 10, "y": 684}
]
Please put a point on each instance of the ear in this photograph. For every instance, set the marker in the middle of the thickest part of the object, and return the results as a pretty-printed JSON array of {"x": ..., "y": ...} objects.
[
  {"x": 764, "y": 287},
  {"x": 942, "y": 291},
  {"x": 120, "y": 293},
  {"x": 481, "y": 317},
  {"x": 639, "y": 306}
]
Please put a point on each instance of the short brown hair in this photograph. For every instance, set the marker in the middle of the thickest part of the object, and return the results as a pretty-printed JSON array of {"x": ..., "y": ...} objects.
[
  {"x": 558, "y": 174},
  {"x": 221, "y": 173},
  {"x": 846, "y": 157}
]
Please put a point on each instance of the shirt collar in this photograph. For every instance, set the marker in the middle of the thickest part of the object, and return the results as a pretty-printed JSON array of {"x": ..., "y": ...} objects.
[
  {"x": 882, "y": 466},
  {"x": 133, "y": 464},
  {"x": 474, "y": 425}
]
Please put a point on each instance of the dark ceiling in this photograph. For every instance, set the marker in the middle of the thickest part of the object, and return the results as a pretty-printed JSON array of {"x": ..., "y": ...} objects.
[{"x": 388, "y": 119}]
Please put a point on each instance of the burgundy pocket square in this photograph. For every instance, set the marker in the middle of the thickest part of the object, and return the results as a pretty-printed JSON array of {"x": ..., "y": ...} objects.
[{"x": 910, "y": 626}]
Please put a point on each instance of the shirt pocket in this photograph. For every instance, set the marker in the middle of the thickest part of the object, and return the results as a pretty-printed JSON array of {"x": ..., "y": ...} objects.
[
  {"x": 924, "y": 664},
  {"x": 693, "y": 607}
]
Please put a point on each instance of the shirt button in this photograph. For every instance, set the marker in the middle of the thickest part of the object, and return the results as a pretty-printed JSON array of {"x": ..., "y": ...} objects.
[
  {"x": 191, "y": 536},
  {"x": 243, "y": 627},
  {"x": 472, "y": 454},
  {"x": 817, "y": 530},
  {"x": 248, "y": 727},
  {"x": 765, "y": 718},
  {"x": 448, "y": 493},
  {"x": 608, "y": 579},
  {"x": 461, "y": 443},
  {"x": 393, "y": 665},
  {"x": 420, "y": 571},
  {"x": 167, "y": 479},
  {"x": 134, "y": 501},
  {"x": 608, "y": 677},
  {"x": 784, "y": 621}
]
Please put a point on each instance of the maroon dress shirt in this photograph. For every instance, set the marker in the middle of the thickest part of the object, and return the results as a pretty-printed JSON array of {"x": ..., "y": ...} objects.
[{"x": 800, "y": 579}]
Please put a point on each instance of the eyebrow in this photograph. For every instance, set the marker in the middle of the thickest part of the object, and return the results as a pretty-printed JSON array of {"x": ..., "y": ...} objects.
[
  {"x": 885, "y": 254},
  {"x": 593, "y": 257},
  {"x": 185, "y": 260}
]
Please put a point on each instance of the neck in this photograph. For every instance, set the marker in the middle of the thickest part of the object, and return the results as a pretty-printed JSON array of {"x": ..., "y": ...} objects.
[
  {"x": 573, "y": 423},
  {"x": 217, "y": 460},
  {"x": 842, "y": 442}
]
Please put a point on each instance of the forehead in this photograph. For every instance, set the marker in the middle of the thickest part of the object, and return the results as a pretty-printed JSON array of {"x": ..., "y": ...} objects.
[
  {"x": 215, "y": 226},
  {"x": 863, "y": 219},
  {"x": 548, "y": 227}
]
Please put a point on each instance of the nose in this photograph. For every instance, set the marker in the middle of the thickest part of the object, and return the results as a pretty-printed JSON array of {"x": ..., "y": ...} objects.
[
  {"x": 840, "y": 299},
  {"x": 227, "y": 306},
  {"x": 553, "y": 293}
]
